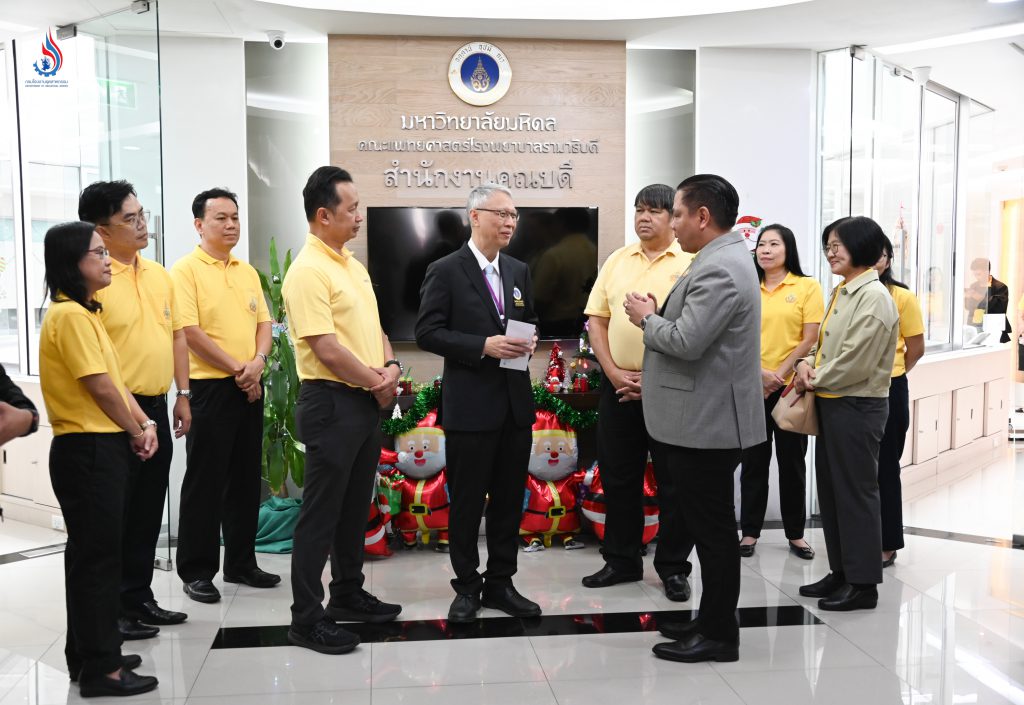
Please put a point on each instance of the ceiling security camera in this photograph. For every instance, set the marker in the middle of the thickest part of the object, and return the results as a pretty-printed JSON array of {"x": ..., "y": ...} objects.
[{"x": 276, "y": 39}]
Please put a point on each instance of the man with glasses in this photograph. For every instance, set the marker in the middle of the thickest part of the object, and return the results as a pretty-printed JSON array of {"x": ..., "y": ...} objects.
[
  {"x": 486, "y": 410},
  {"x": 140, "y": 315}
]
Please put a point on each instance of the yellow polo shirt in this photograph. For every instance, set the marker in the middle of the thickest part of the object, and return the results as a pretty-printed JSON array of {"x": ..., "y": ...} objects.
[
  {"x": 911, "y": 324},
  {"x": 73, "y": 344},
  {"x": 785, "y": 311},
  {"x": 225, "y": 300},
  {"x": 330, "y": 293},
  {"x": 140, "y": 317},
  {"x": 628, "y": 269}
]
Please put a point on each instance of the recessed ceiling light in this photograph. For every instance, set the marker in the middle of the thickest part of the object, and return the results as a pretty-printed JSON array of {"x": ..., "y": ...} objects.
[{"x": 1001, "y": 2}]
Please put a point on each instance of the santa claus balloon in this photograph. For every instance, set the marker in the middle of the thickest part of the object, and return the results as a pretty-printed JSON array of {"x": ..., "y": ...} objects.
[
  {"x": 419, "y": 457},
  {"x": 749, "y": 226},
  {"x": 593, "y": 504},
  {"x": 552, "y": 487}
]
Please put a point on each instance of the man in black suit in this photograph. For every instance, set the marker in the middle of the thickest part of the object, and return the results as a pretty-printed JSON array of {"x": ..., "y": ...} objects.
[{"x": 486, "y": 410}]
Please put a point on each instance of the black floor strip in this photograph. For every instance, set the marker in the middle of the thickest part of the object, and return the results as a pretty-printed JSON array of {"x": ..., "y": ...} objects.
[
  {"x": 499, "y": 627},
  {"x": 1017, "y": 541},
  {"x": 31, "y": 553}
]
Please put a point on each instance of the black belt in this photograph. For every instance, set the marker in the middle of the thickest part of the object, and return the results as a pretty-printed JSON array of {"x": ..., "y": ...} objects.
[{"x": 337, "y": 386}]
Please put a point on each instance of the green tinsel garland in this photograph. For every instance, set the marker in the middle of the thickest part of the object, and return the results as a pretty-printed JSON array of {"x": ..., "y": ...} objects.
[{"x": 429, "y": 397}]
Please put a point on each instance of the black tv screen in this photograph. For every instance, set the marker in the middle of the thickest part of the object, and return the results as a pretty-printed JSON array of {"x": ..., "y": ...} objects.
[{"x": 558, "y": 244}]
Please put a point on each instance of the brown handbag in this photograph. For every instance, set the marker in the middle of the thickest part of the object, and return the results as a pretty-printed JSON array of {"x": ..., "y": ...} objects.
[{"x": 796, "y": 415}]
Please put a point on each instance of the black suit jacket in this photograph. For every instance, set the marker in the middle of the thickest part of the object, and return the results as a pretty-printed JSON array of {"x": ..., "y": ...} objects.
[
  {"x": 997, "y": 300},
  {"x": 456, "y": 316}
]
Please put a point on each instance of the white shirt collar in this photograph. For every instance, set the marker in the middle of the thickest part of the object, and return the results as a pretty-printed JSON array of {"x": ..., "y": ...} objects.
[{"x": 481, "y": 259}]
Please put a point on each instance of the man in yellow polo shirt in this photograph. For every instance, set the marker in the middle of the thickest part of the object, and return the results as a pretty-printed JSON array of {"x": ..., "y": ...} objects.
[
  {"x": 348, "y": 373},
  {"x": 651, "y": 265},
  {"x": 139, "y": 315},
  {"x": 227, "y": 326}
]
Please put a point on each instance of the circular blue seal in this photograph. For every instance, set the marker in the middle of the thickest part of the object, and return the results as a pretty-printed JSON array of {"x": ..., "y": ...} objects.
[{"x": 479, "y": 73}]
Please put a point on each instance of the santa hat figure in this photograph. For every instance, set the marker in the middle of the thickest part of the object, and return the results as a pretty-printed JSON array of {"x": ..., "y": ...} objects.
[
  {"x": 554, "y": 451},
  {"x": 749, "y": 226}
]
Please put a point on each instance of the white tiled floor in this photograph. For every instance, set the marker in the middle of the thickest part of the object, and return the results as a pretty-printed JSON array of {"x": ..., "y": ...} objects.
[{"x": 949, "y": 628}]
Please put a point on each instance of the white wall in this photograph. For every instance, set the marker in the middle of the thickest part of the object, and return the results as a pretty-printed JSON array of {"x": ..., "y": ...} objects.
[
  {"x": 756, "y": 127},
  {"x": 203, "y": 123}
]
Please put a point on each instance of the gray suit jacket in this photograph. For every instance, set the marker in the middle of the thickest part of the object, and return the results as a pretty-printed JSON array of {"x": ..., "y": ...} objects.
[{"x": 702, "y": 358}]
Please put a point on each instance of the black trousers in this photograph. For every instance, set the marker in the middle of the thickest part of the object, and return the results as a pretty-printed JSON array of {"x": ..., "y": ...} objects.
[
  {"x": 622, "y": 447},
  {"x": 340, "y": 427},
  {"x": 144, "y": 508},
  {"x": 700, "y": 483},
  {"x": 790, "y": 449},
  {"x": 482, "y": 464},
  {"x": 89, "y": 472},
  {"x": 221, "y": 488},
  {"x": 890, "y": 489},
  {"x": 846, "y": 468}
]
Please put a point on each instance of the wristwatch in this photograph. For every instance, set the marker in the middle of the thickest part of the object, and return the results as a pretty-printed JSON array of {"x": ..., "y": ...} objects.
[
  {"x": 396, "y": 363},
  {"x": 643, "y": 321},
  {"x": 35, "y": 423},
  {"x": 187, "y": 393},
  {"x": 266, "y": 360},
  {"x": 146, "y": 424}
]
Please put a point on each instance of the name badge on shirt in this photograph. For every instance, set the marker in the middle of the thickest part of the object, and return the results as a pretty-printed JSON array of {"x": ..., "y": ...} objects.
[{"x": 517, "y": 298}]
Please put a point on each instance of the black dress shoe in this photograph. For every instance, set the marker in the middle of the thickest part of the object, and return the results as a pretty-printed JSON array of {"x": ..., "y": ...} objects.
[
  {"x": 679, "y": 631},
  {"x": 849, "y": 598},
  {"x": 256, "y": 578},
  {"x": 464, "y": 609},
  {"x": 361, "y": 606},
  {"x": 131, "y": 630},
  {"x": 824, "y": 587},
  {"x": 677, "y": 588},
  {"x": 202, "y": 591},
  {"x": 697, "y": 648},
  {"x": 747, "y": 550},
  {"x": 610, "y": 576},
  {"x": 128, "y": 661},
  {"x": 152, "y": 613},
  {"x": 127, "y": 683},
  {"x": 508, "y": 600},
  {"x": 805, "y": 552},
  {"x": 890, "y": 560}
]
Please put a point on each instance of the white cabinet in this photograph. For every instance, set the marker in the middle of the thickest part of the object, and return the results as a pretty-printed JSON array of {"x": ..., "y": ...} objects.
[
  {"x": 926, "y": 429},
  {"x": 17, "y": 474},
  {"x": 997, "y": 406},
  {"x": 945, "y": 426},
  {"x": 968, "y": 414}
]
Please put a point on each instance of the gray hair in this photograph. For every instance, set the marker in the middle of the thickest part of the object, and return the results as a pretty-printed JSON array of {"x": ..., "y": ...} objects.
[{"x": 482, "y": 193}]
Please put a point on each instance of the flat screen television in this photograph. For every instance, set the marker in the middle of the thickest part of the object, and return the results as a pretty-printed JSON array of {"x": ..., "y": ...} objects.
[{"x": 558, "y": 244}]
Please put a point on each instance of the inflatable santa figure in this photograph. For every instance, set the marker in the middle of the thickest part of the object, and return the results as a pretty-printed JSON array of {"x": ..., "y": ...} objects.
[
  {"x": 420, "y": 458},
  {"x": 593, "y": 504},
  {"x": 375, "y": 542},
  {"x": 749, "y": 226},
  {"x": 552, "y": 486}
]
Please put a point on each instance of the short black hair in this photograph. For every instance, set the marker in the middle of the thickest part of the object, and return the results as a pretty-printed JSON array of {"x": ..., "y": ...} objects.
[
  {"x": 320, "y": 191},
  {"x": 862, "y": 237},
  {"x": 792, "y": 261},
  {"x": 64, "y": 246},
  {"x": 714, "y": 193},
  {"x": 99, "y": 201},
  {"x": 655, "y": 196},
  {"x": 199, "y": 202}
]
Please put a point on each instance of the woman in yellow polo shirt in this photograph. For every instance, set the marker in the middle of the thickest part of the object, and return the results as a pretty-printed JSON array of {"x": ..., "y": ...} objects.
[
  {"x": 909, "y": 349},
  {"x": 96, "y": 424},
  {"x": 849, "y": 374},
  {"x": 792, "y": 307}
]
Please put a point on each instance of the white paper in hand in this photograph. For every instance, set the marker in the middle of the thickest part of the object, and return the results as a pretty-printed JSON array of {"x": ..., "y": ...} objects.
[{"x": 518, "y": 329}]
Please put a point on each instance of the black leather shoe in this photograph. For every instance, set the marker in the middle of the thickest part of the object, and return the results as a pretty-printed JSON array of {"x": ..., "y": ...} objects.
[
  {"x": 508, "y": 600},
  {"x": 325, "y": 637},
  {"x": 131, "y": 630},
  {"x": 747, "y": 550},
  {"x": 679, "y": 631},
  {"x": 677, "y": 588},
  {"x": 152, "y": 613},
  {"x": 127, "y": 683},
  {"x": 256, "y": 578},
  {"x": 824, "y": 587},
  {"x": 128, "y": 661},
  {"x": 609, "y": 576},
  {"x": 804, "y": 552},
  {"x": 361, "y": 606},
  {"x": 697, "y": 648},
  {"x": 202, "y": 591},
  {"x": 890, "y": 560},
  {"x": 464, "y": 609},
  {"x": 849, "y": 598}
]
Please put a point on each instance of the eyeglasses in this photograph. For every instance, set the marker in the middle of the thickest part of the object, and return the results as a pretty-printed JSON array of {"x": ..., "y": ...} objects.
[
  {"x": 101, "y": 252},
  {"x": 832, "y": 248},
  {"x": 134, "y": 220},
  {"x": 503, "y": 214}
]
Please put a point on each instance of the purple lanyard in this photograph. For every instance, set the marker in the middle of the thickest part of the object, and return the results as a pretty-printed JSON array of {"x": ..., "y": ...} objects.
[{"x": 494, "y": 296}]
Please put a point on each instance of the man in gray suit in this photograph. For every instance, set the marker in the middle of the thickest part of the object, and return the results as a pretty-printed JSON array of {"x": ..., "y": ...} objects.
[{"x": 702, "y": 402}]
